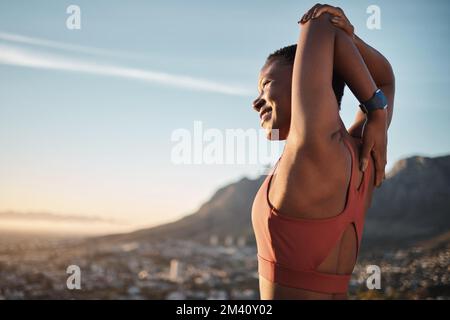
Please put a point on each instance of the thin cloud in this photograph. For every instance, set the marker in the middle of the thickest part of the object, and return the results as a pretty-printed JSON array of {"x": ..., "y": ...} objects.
[
  {"x": 17, "y": 38},
  {"x": 16, "y": 56}
]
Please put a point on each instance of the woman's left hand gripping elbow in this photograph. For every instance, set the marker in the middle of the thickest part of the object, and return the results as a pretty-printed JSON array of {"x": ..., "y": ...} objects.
[{"x": 375, "y": 144}]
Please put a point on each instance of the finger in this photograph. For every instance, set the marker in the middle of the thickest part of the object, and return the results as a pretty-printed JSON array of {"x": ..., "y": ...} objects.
[
  {"x": 311, "y": 11},
  {"x": 383, "y": 163},
  {"x": 325, "y": 8},
  {"x": 379, "y": 171},
  {"x": 381, "y": 179},
  {"x": 336, "y": 21},
  {"x": 306, "y": 16},
  {"x": 338, "y": 25},
  {"x": 365, "y": 154},
  {"x": 339, "y": 20},
  {"x": 380, "y": 165},
  {"x": 344, "y": 27},
  {"x": 315, "y": 11},
  {"x": 302, "y": 19}
]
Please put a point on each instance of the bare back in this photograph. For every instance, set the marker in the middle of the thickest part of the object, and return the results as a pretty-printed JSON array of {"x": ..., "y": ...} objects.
[{"x": 310, "y": 187}]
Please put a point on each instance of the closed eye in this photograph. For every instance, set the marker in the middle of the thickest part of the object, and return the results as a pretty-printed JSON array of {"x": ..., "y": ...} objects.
[{"x": 265, "y": 83}]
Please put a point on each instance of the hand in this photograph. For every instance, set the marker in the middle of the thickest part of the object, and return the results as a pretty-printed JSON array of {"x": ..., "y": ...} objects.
[
  {"x": 375, "y": 143},
  {"x": 338, "y": 19}
]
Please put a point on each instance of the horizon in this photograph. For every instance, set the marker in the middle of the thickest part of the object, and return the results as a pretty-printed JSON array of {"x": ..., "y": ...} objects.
[
  {"x": 87, "y": 115},
  {"x": 66, "y": 225}
]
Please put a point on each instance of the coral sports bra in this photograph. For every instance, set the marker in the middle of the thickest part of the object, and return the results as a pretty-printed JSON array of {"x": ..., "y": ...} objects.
[{"x": 290, "y": 249}]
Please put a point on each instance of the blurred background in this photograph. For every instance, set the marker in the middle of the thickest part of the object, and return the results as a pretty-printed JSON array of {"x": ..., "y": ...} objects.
[{"x": 87, "y": 175}]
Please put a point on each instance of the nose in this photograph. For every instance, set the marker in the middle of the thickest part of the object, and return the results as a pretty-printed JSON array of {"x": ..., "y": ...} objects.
[{"x": 258, "y": 103}]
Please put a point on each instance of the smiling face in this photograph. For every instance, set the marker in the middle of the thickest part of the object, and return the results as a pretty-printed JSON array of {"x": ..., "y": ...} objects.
[{"x": 274, "y": 101}]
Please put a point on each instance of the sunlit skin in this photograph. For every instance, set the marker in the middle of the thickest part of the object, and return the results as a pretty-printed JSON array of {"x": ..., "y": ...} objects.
[
  {"x": 315, "y": 150},
  {"x": 274, "y": 102}
]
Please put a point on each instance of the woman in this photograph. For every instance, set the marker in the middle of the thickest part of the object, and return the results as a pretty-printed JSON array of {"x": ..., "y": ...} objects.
[{"x": 309, "y": 212}]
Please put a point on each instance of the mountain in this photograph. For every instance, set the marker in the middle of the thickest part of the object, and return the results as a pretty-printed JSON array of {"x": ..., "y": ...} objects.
[
  {"x": 412, "y": 205},
  {"x": 227, "y": 213}
]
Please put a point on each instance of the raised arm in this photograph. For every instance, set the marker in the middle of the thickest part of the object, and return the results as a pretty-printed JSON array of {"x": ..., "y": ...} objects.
[
  {"x": 381, "y": 71},
  {"x": 382, "y": 74},
  {"x": 321, "y": 50},
  {"x": 379, "y": 67}
]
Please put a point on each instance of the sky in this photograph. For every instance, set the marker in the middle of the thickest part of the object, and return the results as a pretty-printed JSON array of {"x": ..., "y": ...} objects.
[{"x": 87, "y": 116}]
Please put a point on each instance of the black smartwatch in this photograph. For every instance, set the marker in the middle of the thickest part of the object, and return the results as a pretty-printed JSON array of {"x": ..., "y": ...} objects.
[{"x": 377, "y": 102}]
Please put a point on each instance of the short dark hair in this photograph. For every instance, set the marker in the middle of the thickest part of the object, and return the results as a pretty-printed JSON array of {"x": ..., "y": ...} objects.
[{"x": 288, "y": 55}]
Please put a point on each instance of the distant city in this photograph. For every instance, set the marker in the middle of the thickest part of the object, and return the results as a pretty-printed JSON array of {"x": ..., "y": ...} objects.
[{"x": 225, "y": 268}]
